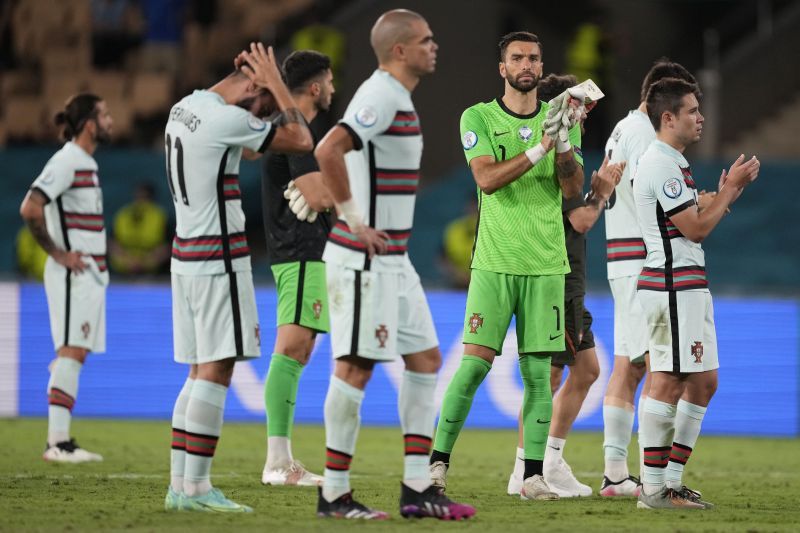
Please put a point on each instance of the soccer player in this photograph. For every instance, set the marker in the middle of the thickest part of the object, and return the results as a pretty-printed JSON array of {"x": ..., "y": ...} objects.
[
  {"x": 579, "y": 215},
  {"x": 64, "y": 212},
  {"x": 519, "y": 259},
  {"x": 370, "y": 164},
  {"x": 625, "y": 256},
  {"x": 295, "y": 252},
  {"x": 215, "y": 321},
  {"x": 673, "y": 289}
]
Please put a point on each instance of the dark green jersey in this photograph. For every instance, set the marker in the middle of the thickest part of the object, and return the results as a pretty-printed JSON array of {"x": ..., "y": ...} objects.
[{"x": 520, "y": 229}]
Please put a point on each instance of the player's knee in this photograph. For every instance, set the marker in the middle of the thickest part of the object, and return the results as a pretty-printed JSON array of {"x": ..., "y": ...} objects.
[
  {"x": 427, "y": 362},
  {"x": 353, "y": 370},
  {"x": 73, "y": 352}
]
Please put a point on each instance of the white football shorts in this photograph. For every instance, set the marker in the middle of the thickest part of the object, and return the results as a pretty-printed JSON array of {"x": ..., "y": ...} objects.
[
  {"x": 631, "y": 337},
  {"x": 77, "y": 305},
  {"x": 682, "y": 333},
  {"x": 378, "y": 315},
  {"x": 214, "y": 317}
]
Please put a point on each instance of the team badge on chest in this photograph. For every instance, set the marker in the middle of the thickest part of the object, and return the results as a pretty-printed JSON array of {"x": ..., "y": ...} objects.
[{"x": 525, "y": 133}]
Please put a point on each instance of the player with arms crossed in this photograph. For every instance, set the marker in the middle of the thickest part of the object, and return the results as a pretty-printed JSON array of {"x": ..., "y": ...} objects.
[
  {"x": 579, "y": 216},
  {"x": 215, "y": 321},
  {"x": 370, "y": 163},
  {"x": 519, "y": 259},
  {"x": 625, "y": 256},
  {"x": 295, "y": 251},
  {"x": 673, "y": 289},
  {"x": 64, "y": 212}
]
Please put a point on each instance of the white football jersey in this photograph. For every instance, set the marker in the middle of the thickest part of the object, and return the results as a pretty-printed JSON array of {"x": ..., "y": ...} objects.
[
  {"x": 204, "y": 139},
  {"x": 383, "y": 171},
  {"x": 625, "y": 249},
  {"x": 663, "y": 186},
  {"x": 74, "y": 212}
]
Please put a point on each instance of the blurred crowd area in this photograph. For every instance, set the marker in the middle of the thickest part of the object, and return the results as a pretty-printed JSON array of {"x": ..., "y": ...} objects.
[{"x": 139, "y": 55}]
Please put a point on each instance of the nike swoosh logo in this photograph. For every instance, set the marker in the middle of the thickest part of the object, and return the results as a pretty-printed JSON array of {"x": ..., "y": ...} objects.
[
  {"x": 452, "y": 421},
  {"x": 498, "y": 134},
  {"x": 554, "y": 447},
  {"x": 540, "y": 421},
  {"x": 557, "y": 336},
  {"x": 290, "y": 402}
]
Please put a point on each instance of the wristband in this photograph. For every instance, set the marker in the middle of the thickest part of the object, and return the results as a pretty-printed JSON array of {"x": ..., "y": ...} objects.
[
  {"x": 535, "y": 154},
  {"x": 348, "y": 210}
]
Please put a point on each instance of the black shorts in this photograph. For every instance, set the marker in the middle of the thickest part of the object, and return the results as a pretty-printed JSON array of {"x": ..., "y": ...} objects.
[{"x": 578, "y": 334}]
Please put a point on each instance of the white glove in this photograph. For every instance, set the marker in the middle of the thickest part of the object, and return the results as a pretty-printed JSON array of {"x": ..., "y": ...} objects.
[
  {"x": 298, "y": 204},
  {"x": 561, "y": 113}
]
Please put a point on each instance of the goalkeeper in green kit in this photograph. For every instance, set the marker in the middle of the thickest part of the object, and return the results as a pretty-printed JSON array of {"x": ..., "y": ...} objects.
[{"x": 519, "y": 259}]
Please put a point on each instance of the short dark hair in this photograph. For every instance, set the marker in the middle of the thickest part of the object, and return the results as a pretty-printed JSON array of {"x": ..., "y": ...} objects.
[
  {"x": 508, "y": 38},
  {"x": 554, "y": 84},
  {"x": 78, "y": 110},
  {"x": 303, "y": 66},
  {"x": 664, "y": 68},
  {"x": 667, "y": 95}
]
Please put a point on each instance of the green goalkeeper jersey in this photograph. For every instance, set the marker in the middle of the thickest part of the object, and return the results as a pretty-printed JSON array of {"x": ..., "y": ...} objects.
[{"x": 520, "y": 229}]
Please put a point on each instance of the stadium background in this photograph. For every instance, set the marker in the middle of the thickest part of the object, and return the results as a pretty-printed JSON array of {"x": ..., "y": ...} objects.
[{"x": 740, "y": 51}]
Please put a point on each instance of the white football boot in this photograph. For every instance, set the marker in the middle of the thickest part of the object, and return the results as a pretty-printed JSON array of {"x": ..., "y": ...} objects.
[
  {"x": 294, "y": 474},
  {"x": 559, "y": 477},
  {"x": 68, "y": 451},
  {"x": 536, "y": 488}
]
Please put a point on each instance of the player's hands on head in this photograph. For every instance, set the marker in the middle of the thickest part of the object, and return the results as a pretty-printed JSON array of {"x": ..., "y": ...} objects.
[
  {"x": 260, "y": 66},
  {"x": 71, "y": 260},
  {"x": 239, "y": 61}
]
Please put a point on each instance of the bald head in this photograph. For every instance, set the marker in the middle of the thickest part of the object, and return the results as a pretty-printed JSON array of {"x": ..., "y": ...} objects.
[{"x": 391, "y": 28}]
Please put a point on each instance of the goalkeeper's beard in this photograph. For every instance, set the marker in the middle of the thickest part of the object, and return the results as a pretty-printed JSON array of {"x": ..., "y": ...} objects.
[{"x": 524, "y": 87}]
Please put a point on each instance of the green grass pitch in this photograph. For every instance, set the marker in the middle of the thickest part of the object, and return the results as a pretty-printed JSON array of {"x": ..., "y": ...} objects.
[{"x": 755, "y": 484}]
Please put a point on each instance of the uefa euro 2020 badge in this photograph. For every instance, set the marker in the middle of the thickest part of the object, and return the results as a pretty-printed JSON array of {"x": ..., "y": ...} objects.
[
  {"x": 469, "y": 140},
  {"x": 255, "y": 123},
  {"x": 525, "y": 133},
  {"x": 673, "y": 188},
  {"x": 367, "y": 116}
]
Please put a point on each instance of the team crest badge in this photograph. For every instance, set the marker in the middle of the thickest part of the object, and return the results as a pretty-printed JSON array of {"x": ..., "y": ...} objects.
[
  {"x": 317, "y": 308},
  {"x": 525, "y": 133},
  {"x": 382, "y": 334},
  {"x": 475, "y": 321},
  {"x": 85, "y": 329},
  {"x": 697, "y": 352},
  {"x": 257, "y": 331}
]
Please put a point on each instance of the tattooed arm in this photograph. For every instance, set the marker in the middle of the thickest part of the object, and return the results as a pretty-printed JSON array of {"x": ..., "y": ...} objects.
[
  {"x": 569, "y": 174},
  {"x": 32, "y": 212}
]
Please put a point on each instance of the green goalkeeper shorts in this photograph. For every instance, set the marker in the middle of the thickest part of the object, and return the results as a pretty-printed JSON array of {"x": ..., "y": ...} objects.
[
  {"x": 302, "y": 294},
  {"x": 536, "y": 301}
]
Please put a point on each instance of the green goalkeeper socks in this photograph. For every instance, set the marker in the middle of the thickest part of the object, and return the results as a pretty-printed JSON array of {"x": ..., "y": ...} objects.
[
  {"x": 537, "y": 406},
  {"x": 458, "y": 400},
  {"x": 280, "y": 394}
]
